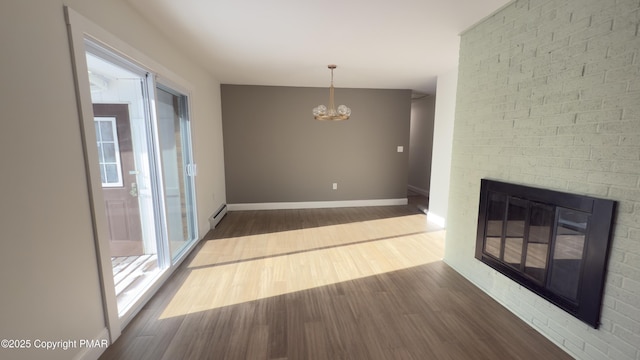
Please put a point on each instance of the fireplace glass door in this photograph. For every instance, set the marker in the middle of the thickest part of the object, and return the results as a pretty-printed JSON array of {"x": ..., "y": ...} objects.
[
  {"x": 541, "y": 221},
  {"x": 568, "y": 252},
  {"x": 514, "y": 236},
  {"x": 553, "y": 243},
  {"x": 519, "y": 233},
  {"x": 495, "y": 224}
]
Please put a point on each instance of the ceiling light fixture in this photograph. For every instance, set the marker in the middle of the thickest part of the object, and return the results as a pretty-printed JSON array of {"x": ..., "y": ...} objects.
[{"x": 322, "y": 113}]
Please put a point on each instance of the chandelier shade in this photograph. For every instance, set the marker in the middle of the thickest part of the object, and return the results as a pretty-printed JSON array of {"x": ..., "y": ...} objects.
[{"x": 323, "y": 112}]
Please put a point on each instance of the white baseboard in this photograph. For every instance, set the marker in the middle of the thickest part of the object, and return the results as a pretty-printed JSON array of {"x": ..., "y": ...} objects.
[
  {"x": 420, "y": 191},
  {"x": 91, "y": 349},
  {"x": 437, "y": 219},
  {"x": 316, "y": 204}
]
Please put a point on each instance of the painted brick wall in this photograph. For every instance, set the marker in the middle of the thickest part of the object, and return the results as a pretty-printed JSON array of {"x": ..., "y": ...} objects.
[{"x": 549, "y": 96}]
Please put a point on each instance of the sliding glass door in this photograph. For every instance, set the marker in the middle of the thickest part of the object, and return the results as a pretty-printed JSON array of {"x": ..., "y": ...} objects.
[{"x": 142, "y": 135}]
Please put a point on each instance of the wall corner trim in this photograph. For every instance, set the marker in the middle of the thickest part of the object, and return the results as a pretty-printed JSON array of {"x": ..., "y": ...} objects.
[{"x": 437, "y": 219}]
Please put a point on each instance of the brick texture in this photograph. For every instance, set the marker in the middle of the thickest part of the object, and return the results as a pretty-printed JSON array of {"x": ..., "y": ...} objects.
[{"x": 549, "y": 96}]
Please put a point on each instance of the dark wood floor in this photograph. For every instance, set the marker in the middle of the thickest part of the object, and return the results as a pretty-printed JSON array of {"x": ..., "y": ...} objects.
[{"x": 426, "y": 311}]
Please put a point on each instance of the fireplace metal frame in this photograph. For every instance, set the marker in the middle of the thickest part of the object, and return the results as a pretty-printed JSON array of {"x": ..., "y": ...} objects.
[{"x": 586, "y": 305}]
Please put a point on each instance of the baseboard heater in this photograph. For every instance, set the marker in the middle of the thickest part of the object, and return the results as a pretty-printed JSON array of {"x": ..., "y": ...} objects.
[{"x": 217, "y": 216}]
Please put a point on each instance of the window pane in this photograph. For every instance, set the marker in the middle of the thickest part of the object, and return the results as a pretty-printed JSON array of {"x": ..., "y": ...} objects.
[
  {"x": 109, "y": 151},
  {"x": 112, "y": 173},
  {"x": 106, "y": 128},
  {"x": 98, "y": 136},
  {"x": 100, "y": 154}
]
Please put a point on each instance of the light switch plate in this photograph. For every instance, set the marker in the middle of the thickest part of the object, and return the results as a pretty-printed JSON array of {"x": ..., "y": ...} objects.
[{"x": 400, "y": 148}]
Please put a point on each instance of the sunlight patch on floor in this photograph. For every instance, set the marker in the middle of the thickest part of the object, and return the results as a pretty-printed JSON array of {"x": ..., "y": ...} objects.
[
  {"x": 222, "y": 251},
  {"x": 232, "y": 271}
]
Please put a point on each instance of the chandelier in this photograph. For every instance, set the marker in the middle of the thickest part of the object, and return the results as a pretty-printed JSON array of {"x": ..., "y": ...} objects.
[{"x": 322, "y": 113}]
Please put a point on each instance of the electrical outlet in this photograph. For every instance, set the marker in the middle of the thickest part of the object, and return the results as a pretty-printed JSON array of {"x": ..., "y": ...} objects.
[{"x": 335, "y": 186}]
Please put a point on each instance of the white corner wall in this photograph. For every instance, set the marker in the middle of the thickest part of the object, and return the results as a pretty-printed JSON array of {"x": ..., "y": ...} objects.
[
  {"x": 48, "y": 267},
  {"x": 549, "y": 96},
  {"x": 442, "y": 144}
]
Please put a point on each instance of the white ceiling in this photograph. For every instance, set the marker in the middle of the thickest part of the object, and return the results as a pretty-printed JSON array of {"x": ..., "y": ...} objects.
[{"x": 401, "y": 44}]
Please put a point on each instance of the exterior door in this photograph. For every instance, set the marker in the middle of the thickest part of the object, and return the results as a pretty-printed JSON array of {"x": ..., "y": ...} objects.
[{"x": 119, "y": 182}]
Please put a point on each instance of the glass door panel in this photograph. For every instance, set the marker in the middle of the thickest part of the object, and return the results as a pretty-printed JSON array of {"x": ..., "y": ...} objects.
[
  {"x": 568, "y": 252},
  {"x": 125, "y": 157},
  {"x": 495, "y": 222},
  {"x": 177, "y": 168},
  {"x": 514, "y": 238},
  {"x": 540, "y": 226}
]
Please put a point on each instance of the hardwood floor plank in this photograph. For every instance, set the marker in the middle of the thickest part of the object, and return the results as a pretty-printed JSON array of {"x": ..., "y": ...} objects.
[{"x": 352, "y": 283}]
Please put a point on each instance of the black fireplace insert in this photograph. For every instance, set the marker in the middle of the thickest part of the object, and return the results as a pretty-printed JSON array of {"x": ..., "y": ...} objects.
[{"x": 554, "y": 243}]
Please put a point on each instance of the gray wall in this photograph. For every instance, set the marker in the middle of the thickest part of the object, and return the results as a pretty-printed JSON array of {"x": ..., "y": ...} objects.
[
  {"x": 421, "y": 143},
  {"x": 276, "y": 152},
  {"x": 549, "y": 96}
]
